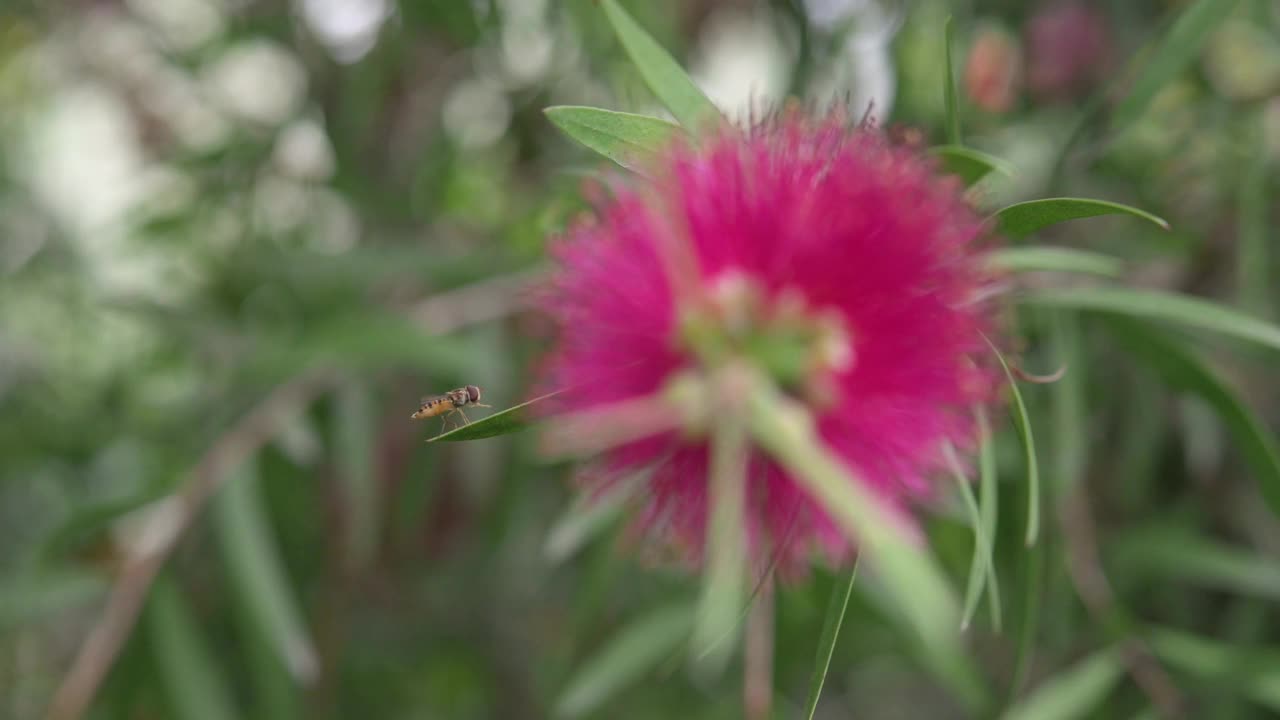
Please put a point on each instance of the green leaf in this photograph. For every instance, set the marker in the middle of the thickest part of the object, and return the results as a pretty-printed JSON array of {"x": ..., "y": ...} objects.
[
  {"x": 504, "y": 422},
  {"x": 1055, "y": 259},
  {"x": 968, "y": 164},
  {"x": 1022, "y": 421},
  {"x": 725, "y": 574},
  {"x": 89, "y": 520},
  {"x": 589, "y": 514},
  {"x": 950, "y": 96},
  {"x": 1070, "y": 446},
  {"x": 1177, "y": 554},
  {"x": 353, "y": 439},
  {"x": 1032, "y": 575},
  {"x": 1173, "y": 55},
  {"x": 917, "y": 590},
  {"x": 836, "y": 608},
  {"x": 257, "y": 573},
  {"x": 274, "y": 694},
  {"x": 989, "y": 508},
  {"x": 1253, "y": 267},
  {"x": 1253, "y": 672},
  {"x": 982, "y": 567},
  {"x": 626, "y": 658},
  {"x": 624, "y": 138},
  {"x": 1158, "y": 305},
  {"x": 1074, "y": 693},
  {"x": 360, "y": 342},
  {"x": 1022, "y": 219},
  {"x": 32, "y": 595},
  {"x": 183, "y": 663},
  {"x": 661, "y": 72},
  {"x": 1181, "y": 368}
]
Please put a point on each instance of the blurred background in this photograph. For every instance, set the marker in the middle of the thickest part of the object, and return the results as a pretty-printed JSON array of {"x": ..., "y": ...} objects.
[{"x": 239, "y": 239}]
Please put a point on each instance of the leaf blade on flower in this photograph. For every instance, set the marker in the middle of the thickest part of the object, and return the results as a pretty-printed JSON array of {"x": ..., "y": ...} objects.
[
  {"x": 504, "y": 422},
  {"x": 625, "y": 138},
  {"x": 664, "y": 76},
  {"x": 1022, "y": 219}
]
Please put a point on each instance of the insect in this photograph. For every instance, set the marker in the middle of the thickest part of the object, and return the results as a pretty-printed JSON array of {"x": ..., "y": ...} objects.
[{"x": 449, "y": 403}]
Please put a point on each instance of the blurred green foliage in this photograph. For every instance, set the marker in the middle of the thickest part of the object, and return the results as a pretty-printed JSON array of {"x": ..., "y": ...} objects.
[{"x": 238, "y": 240}]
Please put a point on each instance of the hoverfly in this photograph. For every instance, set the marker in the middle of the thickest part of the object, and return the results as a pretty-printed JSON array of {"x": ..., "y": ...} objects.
[{"x": 449, "y": 403}]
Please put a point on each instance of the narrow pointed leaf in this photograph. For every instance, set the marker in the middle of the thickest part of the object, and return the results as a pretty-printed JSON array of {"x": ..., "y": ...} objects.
[
  {"x": 587, "y": 517},
  {"x": 184, "y": 664},
  {"x": 30, "y": 596},
  {"x": 981, "y": 569},
  {"x": 1055, "y": 259},
  {"x": 1157, "y": 305},
  {"x": 1022, "y": 422},
  {"x": 1253, "y": 672},
  {"x": 661, "y": 72},
  {"x": 1074, "y": 693},
  {"x": 1181, "y": 368},
  {"x": 989, "y": 509},
  {"x": 836, "y": 608},
  {"x": 1024, "y": 218},
  {"x": 950, "y": 96},
  {"x": 1068, "y": 414},
  {"x": 504, "y": 422},
  {"x": 624, "y": 138},
  {"x": 257, "y": 572},
  {"x": 917, "y": 590},
  {"x": 968, "y": 164},
  {"x": 1032, "y": 579},
  {"x": 725, "y": 575},
  {"x": 1167, "y": 553},
  {"x": 1174, "y": 53},
  {"x": 353, "y": 440},
  {"x": 1254, "y": 279},
  {"x": 631, "y": 654}
]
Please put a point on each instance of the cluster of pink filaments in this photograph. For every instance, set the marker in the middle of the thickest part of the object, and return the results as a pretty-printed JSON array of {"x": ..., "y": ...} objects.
[{"x": 842, "y": 267}]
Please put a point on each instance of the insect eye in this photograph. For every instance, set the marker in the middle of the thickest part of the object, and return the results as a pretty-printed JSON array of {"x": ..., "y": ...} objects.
[{"x": 473, "y": 393}]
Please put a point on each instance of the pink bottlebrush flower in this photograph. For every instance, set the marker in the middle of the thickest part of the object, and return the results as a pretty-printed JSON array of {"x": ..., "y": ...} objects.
[{"x": 842, "y": 266}]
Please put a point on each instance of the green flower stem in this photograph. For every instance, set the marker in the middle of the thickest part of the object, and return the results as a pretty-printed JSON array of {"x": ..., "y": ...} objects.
[
  {"x": 917, "y": 590},
  {"x": 715, "y": 634}
]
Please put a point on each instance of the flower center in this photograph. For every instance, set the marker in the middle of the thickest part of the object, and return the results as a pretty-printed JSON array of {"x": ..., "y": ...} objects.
[{"x": 799, "y": 346}]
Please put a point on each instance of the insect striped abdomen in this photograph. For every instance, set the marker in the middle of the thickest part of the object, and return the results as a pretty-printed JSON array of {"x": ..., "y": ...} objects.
[{"x": 434, "y": 407}]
